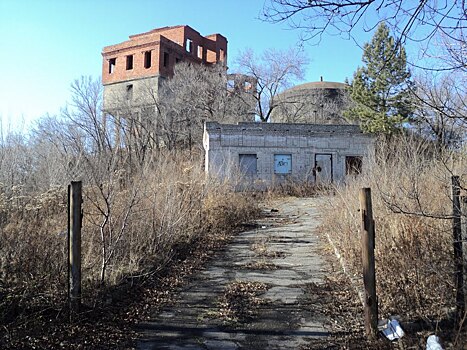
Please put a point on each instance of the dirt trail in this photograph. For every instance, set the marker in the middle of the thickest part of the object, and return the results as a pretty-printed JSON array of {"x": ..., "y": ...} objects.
[{"x": 252, "y": 295}]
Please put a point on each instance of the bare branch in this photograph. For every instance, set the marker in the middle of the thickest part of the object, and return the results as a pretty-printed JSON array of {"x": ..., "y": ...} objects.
[{"x": 421, "y": 22}]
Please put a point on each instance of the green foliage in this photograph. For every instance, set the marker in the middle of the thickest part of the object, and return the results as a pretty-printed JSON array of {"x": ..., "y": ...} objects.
[{"x": 380, "y": 89}]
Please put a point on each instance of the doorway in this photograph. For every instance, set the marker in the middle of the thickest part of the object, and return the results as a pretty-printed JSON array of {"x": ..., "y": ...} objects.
[
  {"x": 323, "y": 168},
  {"x": 248, "y": 164}
]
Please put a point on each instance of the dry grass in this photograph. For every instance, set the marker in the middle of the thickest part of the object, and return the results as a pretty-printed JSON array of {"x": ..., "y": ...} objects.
[
  {"x": 297, "y": 188},
  {"x": 144, "y": 221},
  {"x": 411, "y": 206}
]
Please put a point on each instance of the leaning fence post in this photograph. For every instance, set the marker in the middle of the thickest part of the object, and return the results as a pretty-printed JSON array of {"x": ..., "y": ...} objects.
[
  {"x": 457, "y": 239},
  {"x": 368, "y": 259},
  {"x": 74, "y": 245}
]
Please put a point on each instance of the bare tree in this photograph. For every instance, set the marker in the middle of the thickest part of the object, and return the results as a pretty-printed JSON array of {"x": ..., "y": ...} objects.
[
  {"x": 196, "y": 94},
  {"x": 441, "y": 112},
  {"x": 187, "y": 99},
  {"x": 85, "y": 112},
  {"x": 439, "y": 26},
  {"x": 56, "y": 160},
  {"x": 454, "y": 48},
  {"x": 15, "y": 161},
  {"x": 273, "y": 71},
  {"x": 170, "y": 113},
  {"x": 81, "y": 144}
]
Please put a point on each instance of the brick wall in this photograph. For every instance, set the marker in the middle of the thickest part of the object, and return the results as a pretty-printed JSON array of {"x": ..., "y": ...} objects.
[{"x": 173, "y": 41}]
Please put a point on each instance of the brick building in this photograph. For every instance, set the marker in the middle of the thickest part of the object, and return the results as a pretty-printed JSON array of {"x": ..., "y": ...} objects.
[{"x": 137, "y": 66}]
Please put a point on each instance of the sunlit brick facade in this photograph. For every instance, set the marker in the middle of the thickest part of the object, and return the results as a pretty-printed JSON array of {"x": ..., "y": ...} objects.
[{"x": 132, "y": 70}]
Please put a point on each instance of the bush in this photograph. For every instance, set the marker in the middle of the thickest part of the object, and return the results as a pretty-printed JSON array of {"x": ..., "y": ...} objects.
[
  {"x": 132, "y": 225},
  {"x": 410, "y": 185}
]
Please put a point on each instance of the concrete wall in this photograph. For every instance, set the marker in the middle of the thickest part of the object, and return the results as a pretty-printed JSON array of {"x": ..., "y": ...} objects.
[
  {"x": 118, "y": 96},
  {"x": 224, "y": 143},
  {"x": 318, "y": 103}
]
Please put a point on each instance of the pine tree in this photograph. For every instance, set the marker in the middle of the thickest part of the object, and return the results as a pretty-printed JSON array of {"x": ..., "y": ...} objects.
[{"x": 380, "y": 89}]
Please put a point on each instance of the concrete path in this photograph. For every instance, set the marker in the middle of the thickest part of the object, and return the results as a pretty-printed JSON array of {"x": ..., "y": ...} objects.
[{"x": 252, "y": 295}]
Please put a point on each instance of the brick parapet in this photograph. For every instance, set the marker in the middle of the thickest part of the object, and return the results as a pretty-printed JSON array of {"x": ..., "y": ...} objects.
[{"x": 172, "y": 40}]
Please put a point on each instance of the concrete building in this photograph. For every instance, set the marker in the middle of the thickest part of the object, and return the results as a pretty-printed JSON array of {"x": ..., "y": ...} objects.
[
  {"x": 133, "y": 70},
  {"x": 268, "y": 153},
  {"x": 320, "y": 102}
]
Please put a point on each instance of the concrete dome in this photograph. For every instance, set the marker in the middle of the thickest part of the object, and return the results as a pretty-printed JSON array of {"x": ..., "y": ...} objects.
[
  {"x": 320, "y": 102},
  {"x": 317, "y": 85}
]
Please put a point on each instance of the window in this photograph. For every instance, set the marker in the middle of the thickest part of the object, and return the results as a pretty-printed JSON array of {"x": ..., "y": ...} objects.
[
  {"x": 221, "y": 55},
  {"x": 282, "y": 163},
  {"x": 211, "y": 56},
  {"x": 166, "y": 59},
  {"x": 353, "y": 165},
  {"x": 129, "y": 62},
  {"x": 147, "y": 59},
  {"x": 248, "y": 164},
  {"x": 230, "y": 85},
  {"x": 189, "y": 45},
  {"x": 200, "y": 52},
  {"x": 129, "y": 92},
  {"x": 112, "y": 63}
]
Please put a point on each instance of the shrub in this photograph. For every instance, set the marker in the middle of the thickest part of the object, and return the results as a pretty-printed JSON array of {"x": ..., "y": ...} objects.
[
  {"x": 411, "y": 206},
  {"x": 132, "y": 224}
]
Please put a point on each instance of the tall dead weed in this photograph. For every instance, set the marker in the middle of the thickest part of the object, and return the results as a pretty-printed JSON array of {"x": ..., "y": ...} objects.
[{"x": 410, "y": 185}]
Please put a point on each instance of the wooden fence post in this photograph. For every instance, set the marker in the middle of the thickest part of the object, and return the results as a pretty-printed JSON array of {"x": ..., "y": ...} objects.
[
  {"x": 368, "y": 259},
  {"x": 457, "y": 239},
  {"x": 463, "y": 201},
  {"x": 74, "y": 245}
]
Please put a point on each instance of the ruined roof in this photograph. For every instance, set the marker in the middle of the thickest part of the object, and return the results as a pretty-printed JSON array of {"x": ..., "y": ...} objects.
[
  {"x": 158, "y": 30},
  {"x": 318, "y": 85},
  {"x": 291, "y": 128},
  {"x": 311, "y": 88},
  {"x": 154, "y": 37}
]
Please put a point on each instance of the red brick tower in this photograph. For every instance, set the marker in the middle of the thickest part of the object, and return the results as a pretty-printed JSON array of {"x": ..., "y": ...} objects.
[{"x": 134, "y": 67}]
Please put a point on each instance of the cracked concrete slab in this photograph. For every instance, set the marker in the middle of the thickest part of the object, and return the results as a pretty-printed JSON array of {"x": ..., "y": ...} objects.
[{"x": 283, "y": 253}]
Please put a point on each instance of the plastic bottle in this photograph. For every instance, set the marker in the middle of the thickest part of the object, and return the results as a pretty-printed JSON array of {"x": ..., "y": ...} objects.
[{"x": 432, "y": 343}]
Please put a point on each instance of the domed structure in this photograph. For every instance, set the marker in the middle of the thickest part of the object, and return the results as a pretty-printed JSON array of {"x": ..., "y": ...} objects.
[{"x": 320, "y": 102}]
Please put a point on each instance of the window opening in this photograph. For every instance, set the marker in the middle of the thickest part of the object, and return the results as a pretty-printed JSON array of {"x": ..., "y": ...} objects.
[
  {"x": 112, "y": 63},
  {"x": 129, "y": 62},
  {"x": 221, "y": 55},
  {"x": 166, "y": 59},
  {"x": 353, "y": 165},
  {"x": 282, "y": 163},
  {"x": 231, "y": 85},
  {"x": 147, "y": 59},
  {"x": 189, "y": 45},
  {"x": 129, "y": 92},
  {"x": 200, "y": 52}
]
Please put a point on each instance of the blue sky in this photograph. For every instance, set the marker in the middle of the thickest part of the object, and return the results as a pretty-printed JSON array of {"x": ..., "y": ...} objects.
[{"x": 46, "y": 44}]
